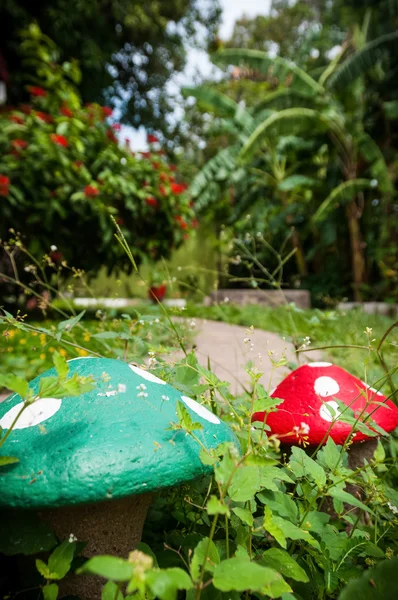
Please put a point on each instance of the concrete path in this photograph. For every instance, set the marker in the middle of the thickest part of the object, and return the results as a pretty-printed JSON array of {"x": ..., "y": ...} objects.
[{"x": 231, "y": 347}]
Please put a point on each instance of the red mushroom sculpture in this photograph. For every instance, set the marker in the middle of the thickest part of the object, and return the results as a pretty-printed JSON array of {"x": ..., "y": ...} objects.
[{"x": 310, "y": 408}]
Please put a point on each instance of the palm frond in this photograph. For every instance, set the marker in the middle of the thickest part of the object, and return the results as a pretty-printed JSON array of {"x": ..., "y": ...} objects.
[
  {"x": 290, "y": 120},
  {"x": 378, "y": 166},
  {"x": 208, "y": 183},
  {"x": 281, "y": 99},
  {"x": 286, "y": 71},
  {"x": 342, "y": 194},
  {"x": 360, "y": 62}
]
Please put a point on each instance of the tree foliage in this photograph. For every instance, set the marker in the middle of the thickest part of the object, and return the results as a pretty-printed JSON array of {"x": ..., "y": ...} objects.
[{"x": 127, "y": 50}]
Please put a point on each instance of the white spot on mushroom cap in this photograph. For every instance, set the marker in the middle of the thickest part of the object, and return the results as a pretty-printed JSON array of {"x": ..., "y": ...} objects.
[
  {"x": 200, "y": 410},
  {"x": 319, "y": 364},
  {"x": 329, "y": 415},
  {"x": 147, "y": 375},
  {"x": 326, "y": 386},
  {"x": 35, "y": 413}
]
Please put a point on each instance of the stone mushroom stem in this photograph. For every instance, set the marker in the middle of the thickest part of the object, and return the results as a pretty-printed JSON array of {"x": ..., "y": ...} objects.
[
  {"x": 357, "y": 453},
  {"x": 112, "y": 527}
]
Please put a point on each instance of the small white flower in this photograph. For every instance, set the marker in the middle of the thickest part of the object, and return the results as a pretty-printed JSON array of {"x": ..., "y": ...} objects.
[
  {"x": 141, "y": 322},
  {"x": 226, "y": 300},
  {"x": 142, "y": 395},
  {"x": 246, "y": 340},
  {"x": 157, "y": 321},
  {"x": 141, "y": 387},
  {"x": 53, "y": 248},
  {"x": 72, "y": 538},
  {"x": 121, "y": 388},
  {"x": 192, "y": 324},
  {"x": 165, "y": 398},
  {"x": 393, "y": 508},
  {"x": 152, "y": 362},
  {"x": 123, "y": 161},
  {"x": 305, "y": 428}
]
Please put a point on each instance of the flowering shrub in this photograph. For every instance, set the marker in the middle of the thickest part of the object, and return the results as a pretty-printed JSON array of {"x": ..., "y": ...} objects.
[{"x": 63, "y": 174}]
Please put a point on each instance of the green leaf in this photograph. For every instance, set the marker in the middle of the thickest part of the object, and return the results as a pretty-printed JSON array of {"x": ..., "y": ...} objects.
[
  {"x": 245, "y": 483},
  {"x": 241, "y": 575},
  {"x": 61, "y": 559},
  {"x": 24, "y": 535},
  {"x": 294, "y": 182},
  {"x": 109, "y": 567},
  {"x": 272, "y": 528},
  {"x": 15, "y": 384},
  {"x": 330, "y": 454},
  {"x": 50, "y": 591},
  {"x": 111, "y": 591},
  {"x": 205, "y": 553},
  {"x": 244, "y": 515},
  {"x": 341, "y": 195},
  {"x": 43, "y": 568},
  {"x": 348, "y": 499},
  {"x": 61, "y": 366},
  {"x": 281, "y": 503},
  {"x": 291, "y": 531},
  {"x": 165, "y": 583},
  {"x": 304, "y": 466},
  {"x": 380, "y": 583},
  {"x": 282, "y": 562},
  {"x": 70, "y": 323},
  {"x": 216, "y": 507},
  {"x": 8, "y": 460},
  {"x": 185, "y": 418}
]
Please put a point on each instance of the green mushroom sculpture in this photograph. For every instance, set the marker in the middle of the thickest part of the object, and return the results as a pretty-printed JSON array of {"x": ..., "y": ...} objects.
[{"x": 88, "y": 464}]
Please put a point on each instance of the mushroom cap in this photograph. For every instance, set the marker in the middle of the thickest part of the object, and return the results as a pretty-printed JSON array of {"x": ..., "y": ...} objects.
[
  {"x": 307, "y": 391},
  {"x": 112, "y": 442}
]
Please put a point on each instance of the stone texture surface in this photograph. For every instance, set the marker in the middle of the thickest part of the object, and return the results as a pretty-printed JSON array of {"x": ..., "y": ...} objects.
[
  {"x": 301, "y": 298},
  {"x": 108, "y": 527},
  {"x": 371, "y": 308},
  {"x": 224, "y": 346}
]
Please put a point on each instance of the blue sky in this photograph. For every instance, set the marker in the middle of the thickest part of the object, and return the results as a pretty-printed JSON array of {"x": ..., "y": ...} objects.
[{"x": 198, "y": 62}]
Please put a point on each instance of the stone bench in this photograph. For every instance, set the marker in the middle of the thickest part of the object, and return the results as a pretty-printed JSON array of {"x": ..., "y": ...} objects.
[{"x": 301, "y": 298}]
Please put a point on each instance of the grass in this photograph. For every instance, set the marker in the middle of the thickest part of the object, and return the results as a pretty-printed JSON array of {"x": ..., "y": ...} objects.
[{"x": 324, "y": 328}]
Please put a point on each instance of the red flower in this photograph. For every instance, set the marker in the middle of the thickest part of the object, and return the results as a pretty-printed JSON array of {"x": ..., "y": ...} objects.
[
  {"x": 110, "y": 135},
  {"x": 16, "y": 119},
  {"x": 146, "y": 154},
  {"x": 44, "y": 117},
  {"x": 37, "y": 91},
  {"x": 4, "y": 183},
  {"x": 66, "y": 111},
  {"x": 19, "y": 144},
  {"x": 90, "y": 191},
  {"x": 151, "y": 201},
  {"x": 152, "y": 139},
  {"x": 156, "y": 165},
  {"x": 60, "y": 140},
  {"x": 106, "y": 111},
  {"x": 26, "y": 108},
  {"x": 163, "y": 176},
  {"x": 183, "y": 224},
  {"x": 116, "y": 126},
  {"x": 178, "y": 188},
  {"x": 56, "y": 256}
]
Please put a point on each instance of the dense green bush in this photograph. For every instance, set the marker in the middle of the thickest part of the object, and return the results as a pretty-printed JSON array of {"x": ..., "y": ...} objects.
[{"x": 64, "y": 173}]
